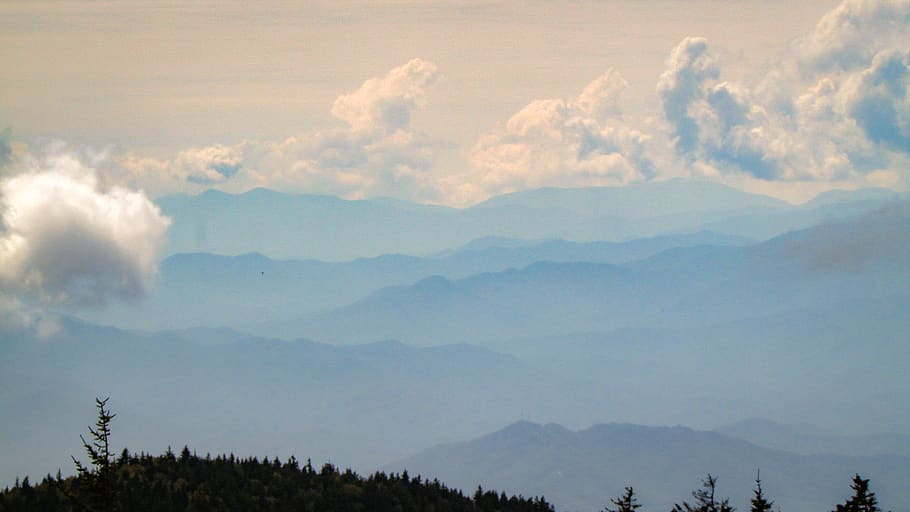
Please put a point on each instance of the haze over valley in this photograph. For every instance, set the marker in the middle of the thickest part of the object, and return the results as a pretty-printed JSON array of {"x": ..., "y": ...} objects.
[{"x": 621, "y": 261}]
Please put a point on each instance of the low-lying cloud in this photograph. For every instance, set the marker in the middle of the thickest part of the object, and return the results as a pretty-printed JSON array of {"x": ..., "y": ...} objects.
[{"x": 66, "y": 240}]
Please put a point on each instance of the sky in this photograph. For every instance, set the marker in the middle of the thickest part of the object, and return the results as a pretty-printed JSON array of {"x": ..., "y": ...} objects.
[
  {"x": 107, "y": 106},
  {"x": 455, "y": 102}
]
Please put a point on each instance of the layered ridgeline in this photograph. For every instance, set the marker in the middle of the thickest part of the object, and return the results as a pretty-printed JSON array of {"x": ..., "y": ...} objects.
[
  {"x": 289, "y": 226},
  {"x": 857, "y": 259},
  {"x": 580, "y": 470},
  {"x": 800, "y": 328},
  {"x": 358, "y": 406},
  {"x": 366, "y": 405},
  {"x": 711, "y": 278},
  {"x": 253, "y": 292}
]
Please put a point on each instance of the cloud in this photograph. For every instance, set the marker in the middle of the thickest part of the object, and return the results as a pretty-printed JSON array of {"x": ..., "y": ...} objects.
[
  {"x": 849, "y": 36},
  {"x": 834, "y": 111},
  {"x": 65, "y": 240},
  {"x": 688, "y": 68},
  {"x": 840, "y": 126},
  {"x": 877, "y": 98},
  {"x": 385, "y": 104},
  {"x": 376, "y": 153},
  {"x": 716, "y": 127},
  {"x": 210, "y": 165},
  {"x": 582, "y": 141},
  {"x": 16, "y": 318},
  {"x": 6, "y": 150}
]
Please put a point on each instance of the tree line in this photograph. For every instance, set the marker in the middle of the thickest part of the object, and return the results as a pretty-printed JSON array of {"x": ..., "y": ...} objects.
[
  {"x": 188, "y": 482},
  {"x": 705, "y": 500}
]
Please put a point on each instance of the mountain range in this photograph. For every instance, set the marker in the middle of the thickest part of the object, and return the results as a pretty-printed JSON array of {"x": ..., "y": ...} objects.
[
  {"x": 863, "y": 257},
  {"x": 809, "y": 439},
  {"x": 357, "y": 406},
  {"x": 250, "y": 291},
  {"x": 581, "y": 470},
  {"x": 300, "y": 226}
]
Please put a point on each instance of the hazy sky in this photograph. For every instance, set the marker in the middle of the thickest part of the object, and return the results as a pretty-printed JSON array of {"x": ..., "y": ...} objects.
[{"x": 452, "y": 102}]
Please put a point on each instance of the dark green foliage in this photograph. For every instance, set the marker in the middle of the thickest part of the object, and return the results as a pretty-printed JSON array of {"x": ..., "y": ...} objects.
[
  {"x": 863, "y": 500},
  {"x": 627, "y": 503},
  {"x": 96, "y": 486},
  {"x": 145, "y": 483},
  {"x": 705, "y": 500},
  {"x": 759, "y": 503}
]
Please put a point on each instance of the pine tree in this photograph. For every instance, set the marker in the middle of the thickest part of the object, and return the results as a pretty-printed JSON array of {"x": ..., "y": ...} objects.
[
  {"x": 98, "y": 479},
  {"x": 863, "y": 500},
  {"x": 759, "y": 503},
  {"x": 705, "y": 500},
  {"x": 627, "y": 503}
]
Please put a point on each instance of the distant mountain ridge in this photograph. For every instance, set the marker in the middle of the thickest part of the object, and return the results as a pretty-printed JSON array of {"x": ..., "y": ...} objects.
[
  {"x": 359, "y": 405},
  {"x": 862, "y": 257},
  {"x": 307, "y": 226},
  {"x": 581, "y": 470},
  {"x": 811, "y": 440},
  {"x": 249, "y": 290}
]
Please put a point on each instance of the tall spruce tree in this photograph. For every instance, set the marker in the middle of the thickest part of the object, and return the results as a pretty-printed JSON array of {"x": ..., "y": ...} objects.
[
  {"x": 626, "y": 503},
  {"x": 97, "y": 478},
  {"x": 863, "y": 500},
  {"x": 705, "y": 500},
  {"x": 759, "y": 503}
]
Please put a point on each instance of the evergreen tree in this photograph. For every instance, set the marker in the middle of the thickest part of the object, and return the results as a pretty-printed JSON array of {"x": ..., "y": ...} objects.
[
  {"x": 863, "y": 500},
  {"x": 97, "y": 479},
  {"x": 705, "y": 500},
  {"x": 627, "y": 503},
  {"x": 759, "y": 503}
]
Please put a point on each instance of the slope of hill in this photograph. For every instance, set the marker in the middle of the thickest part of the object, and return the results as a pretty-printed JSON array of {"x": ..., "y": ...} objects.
[
  {"x": 811, "y": 440},
  {"x": 141, "y": 483},
  {"x": 361, "y": 405},
  {"x": 582, "y": 470},
  {"x": 807, "y": 365}
]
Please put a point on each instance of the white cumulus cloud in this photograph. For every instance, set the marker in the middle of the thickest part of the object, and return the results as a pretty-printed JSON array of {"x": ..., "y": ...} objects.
[
  {"x": 386, "y": 103},
  {"x": 690, "y": 65},
  {"x": 877, "y": 99},
  {"x": 64, "y": 239},
  {"x": 849, "y": 35},
  {"x": 843, "y": 125},
  {"x": 376, "y": 153},
  {"x": 581, "y": 141}
]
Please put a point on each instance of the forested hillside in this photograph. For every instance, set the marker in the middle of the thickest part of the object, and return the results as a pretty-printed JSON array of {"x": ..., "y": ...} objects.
[
  {"x": 142, "y": 482},
  {"x": 169, "y": 482}
]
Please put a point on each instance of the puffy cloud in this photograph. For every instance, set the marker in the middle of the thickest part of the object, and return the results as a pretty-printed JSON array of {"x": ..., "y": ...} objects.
[
  {"x": 16, "y": 317},
  {"x": 715, "y": 126},
  {"x": 840, "y": 126},
  {"x": 849, "y": 35},
  {"x": 835, "y": 111},
  {"x": 342, "y": 162},
  {"x": 581, "y": 141},
  {"x": 385, "y": 104},
  {"x": 877, "y": 98},
  {"x": 66, "y": 240},
  {"x": 213, "y": 164},
  {"x": 377, "y": 153},
  {"x": 688, "y": 68}
]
